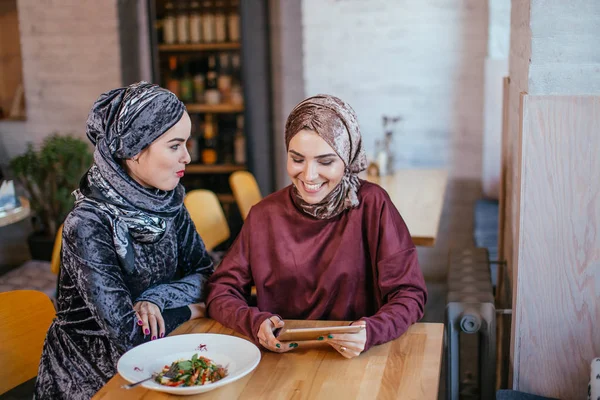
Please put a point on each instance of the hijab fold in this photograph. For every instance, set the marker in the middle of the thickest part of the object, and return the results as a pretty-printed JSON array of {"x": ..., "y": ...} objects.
[
  {"x": 336, "y": 122},
  {"x": 122, "y": 123}
]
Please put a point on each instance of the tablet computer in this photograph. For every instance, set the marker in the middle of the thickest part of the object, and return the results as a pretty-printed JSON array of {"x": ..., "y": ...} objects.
[{"x": 300, "y": 334}]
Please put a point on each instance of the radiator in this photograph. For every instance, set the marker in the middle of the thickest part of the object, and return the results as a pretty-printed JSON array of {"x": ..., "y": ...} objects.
[{"x": 470, "y": 309}]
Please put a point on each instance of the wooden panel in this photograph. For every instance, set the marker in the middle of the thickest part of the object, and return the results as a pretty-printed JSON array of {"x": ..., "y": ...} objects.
[
  {"x": 199, "y": 47},
  {"x": 503, "y": 281},
  {"x": 556, "y": 311},
  {"x": 405, "y": 368}
]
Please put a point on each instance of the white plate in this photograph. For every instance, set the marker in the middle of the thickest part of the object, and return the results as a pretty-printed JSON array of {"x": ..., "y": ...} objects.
[{"x": 239, "y": 355}]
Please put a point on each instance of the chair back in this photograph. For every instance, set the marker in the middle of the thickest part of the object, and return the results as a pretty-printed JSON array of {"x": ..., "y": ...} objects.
[
  {"x": 208, "y": 216},
  {"x": 56, "y": 250},
  {"x": 25, "y": 316},
  {"x": 245, "y": 191}
]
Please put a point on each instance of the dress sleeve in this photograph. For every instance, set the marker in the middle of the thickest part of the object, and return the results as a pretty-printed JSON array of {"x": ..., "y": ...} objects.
[
  {"x": 230, "y": 285},
  {"x": 400, "y": 284},
  {"x": 90, "y": 260},
  {"x": 194, "y": 264}
]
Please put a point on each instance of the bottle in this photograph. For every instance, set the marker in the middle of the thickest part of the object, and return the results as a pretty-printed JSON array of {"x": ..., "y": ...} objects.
[
  {"x": 220, "y": 22},
  {"x": 224, "y": 79},
  {"x": 212, "y": 94},
  {"x": 382, "y": 158},
  {"x": 169, "y": 24},
  {"x": 239, "y": 142},
  {"x": 183, "y": 24},
  {"x": 236, "y": 94},
  {"x": 172, "y": 77},
  {"x": 199, "y": 80},
  {"x": 233, "y": 22},
  {"x": 195, "y": 22},
  {"x": 208, "y": 22},
  {"x": 209, "y": 150},
  {"x": 186, "y": 84},
  {"x": 192, "y": 148}
]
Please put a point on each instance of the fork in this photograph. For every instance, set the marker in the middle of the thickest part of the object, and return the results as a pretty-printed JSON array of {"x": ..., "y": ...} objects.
[{"x": 132, "y": 385}]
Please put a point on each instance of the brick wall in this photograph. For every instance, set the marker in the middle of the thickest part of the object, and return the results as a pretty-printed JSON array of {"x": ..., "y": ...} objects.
[
  {"x": 422, "y": 60},
  {"x": 70, "y": 52}
]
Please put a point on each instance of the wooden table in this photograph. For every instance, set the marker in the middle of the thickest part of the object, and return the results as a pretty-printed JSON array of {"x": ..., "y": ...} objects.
[
  {"x": 406, "y": 368},
  {"x": 16, "y": 214},
  {"x": 419, "y": 196}
]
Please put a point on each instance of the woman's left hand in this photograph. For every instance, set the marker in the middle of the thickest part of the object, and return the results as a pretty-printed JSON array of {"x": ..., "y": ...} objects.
[
  {"x": 349, "y": 345},
  {"x": 150, "y": 319}
]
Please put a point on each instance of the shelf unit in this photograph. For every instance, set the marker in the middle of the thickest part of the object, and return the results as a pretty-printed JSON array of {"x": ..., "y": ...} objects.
[
  {"x": 171, "y": 48},
  {"x": 213, "y": 169}
]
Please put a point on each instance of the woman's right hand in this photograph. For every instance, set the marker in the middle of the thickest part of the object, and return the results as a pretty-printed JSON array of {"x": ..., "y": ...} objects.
[
  {"x": 266, "y": 337},
  {"x": 198, "y": 310}
]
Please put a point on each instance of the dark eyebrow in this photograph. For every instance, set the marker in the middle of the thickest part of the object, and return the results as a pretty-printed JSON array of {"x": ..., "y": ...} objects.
[
  {"x": 180, "y": 140},
  {"x": 319, "y": 157}
]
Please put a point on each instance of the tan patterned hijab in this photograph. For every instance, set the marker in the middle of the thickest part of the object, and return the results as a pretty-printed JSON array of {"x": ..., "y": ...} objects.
[{"x": 334, "y": 121}]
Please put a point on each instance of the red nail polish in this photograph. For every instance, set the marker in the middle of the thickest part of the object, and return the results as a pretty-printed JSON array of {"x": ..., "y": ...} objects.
[
  {"x": 147, "y": 331},
  {"x": 162, "y": 335},
  {"x": 153, "y": 337},
  {"x": 140, "y": 323}
]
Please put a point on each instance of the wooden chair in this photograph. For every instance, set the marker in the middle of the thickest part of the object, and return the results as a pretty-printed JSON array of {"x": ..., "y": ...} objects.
[
  {"x": 245, "y": 191},
  {"x": 25, "y": 316},
  {"x": 207, "y": 214},
  {"x": 55, "y": 260}
]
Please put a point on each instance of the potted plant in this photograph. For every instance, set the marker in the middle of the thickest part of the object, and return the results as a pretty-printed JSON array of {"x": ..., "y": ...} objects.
[{"x": 49, "y": 176}]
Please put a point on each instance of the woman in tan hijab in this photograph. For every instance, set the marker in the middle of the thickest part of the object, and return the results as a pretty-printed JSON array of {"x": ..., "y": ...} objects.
[{"x": 328, "y": 247}]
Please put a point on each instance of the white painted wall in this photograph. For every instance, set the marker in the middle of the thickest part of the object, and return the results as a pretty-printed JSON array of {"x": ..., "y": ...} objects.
[
  {"x": 423, "y": 60},
  {"x": 496, "y": 68},
  {"x": 565, "y": 47}
]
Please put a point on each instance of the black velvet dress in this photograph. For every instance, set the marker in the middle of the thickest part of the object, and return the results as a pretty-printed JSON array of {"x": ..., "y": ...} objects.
[{"x": 95, "y": 322}]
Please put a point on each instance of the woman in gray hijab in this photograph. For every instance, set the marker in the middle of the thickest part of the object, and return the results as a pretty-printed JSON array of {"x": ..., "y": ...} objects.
[
  {"x": 328, "y": 247},
  {"x": 133, "y": 267}
]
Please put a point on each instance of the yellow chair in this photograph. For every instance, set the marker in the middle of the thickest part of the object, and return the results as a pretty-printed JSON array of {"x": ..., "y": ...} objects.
[
  {"x": 207, "y": 214},
  {"x": 245, "y": 191},
  {"x": 55, "y": 260},
  {"x": 25, "y": 316}
]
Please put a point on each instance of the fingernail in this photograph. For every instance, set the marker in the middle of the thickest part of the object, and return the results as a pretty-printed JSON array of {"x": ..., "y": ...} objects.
[
  {"x": 162, "y": 334},
  {"x": 278, "y": 345},
  {"x": 294, "y": 345},
  {"x": 147, "y": 331},
  {"x": 153, "y": 338},
  {"x": 330, "y": 336},
  {"x": 140, "y": 323},
  {"x": 320, "y": 338}
]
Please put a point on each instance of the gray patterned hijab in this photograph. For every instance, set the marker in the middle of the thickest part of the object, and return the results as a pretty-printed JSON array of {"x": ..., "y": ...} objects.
[
  {"x": 122, "y": 123},
  {"x": 336, "y": 122}
]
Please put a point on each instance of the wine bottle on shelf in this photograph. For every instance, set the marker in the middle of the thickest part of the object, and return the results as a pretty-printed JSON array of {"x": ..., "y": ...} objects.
[
  {"x": 220, "y": 22},
  {"x": 183, "y": 24},
  {"x": 239, "y": 142},
  {"x": 169, "y": 24},
  {"x": 173, "y": 83},
  {"x": 212, "y": 94},
  {"x": 233, "y": 22},
  {"x": 209, "y": 148},
  {"x": 224, "y": 80},
  {"x": 195, "y": 22},
  {"x": 208, "y": 22},
  {"x": 199, "y": 81},
  {"x": 236, "y": 94},
  {"x": 186, "y": 84}
]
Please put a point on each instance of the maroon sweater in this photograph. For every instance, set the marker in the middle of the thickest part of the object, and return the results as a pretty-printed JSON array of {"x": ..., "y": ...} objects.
[{"x": 361, "y": 264}]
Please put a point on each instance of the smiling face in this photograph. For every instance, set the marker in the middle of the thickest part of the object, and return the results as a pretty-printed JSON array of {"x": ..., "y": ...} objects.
[
  {"x": 162, "y": 164},
  {"x": 313, "y": 166}
]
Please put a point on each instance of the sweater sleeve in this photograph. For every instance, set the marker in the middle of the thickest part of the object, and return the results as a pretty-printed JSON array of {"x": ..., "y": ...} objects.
[
  {"x": 194, "y": 264},
  {"x": 400, "y": 284},
  {"x": 229, "y": 288},
  {"x": 90, "y": 260}
]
